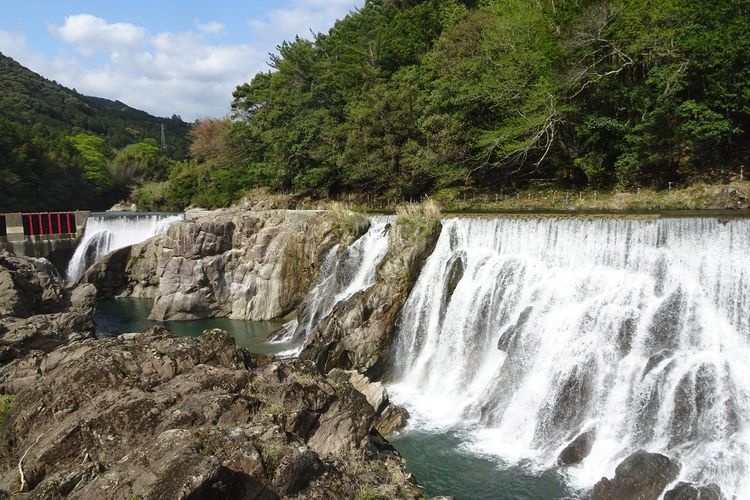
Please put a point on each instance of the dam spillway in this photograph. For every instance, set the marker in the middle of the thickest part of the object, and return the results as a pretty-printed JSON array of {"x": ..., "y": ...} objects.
[
  {"x": 532, "y": 332},
  {"x": 107, "y": 232},
  {"x": 525, "y": 334}
]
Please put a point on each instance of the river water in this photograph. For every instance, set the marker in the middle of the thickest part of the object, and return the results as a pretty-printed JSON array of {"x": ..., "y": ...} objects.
[{"x": 114, "y": 317}]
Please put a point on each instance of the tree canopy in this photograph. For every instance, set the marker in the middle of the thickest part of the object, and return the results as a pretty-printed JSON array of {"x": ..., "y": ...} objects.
[
  {"x": 407, "y": 97},
  {"x": 404, "y": 98}
]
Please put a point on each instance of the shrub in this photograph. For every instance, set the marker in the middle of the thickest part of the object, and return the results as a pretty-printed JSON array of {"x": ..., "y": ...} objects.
[{"x": 5, "y": 403}]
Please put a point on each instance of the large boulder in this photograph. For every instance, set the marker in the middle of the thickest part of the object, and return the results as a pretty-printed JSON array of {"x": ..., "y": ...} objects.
[
  {"x": 154, "y": 416},
  {"x": 37, "y": 311},
  {"x": 641, "y": 476},
  {"x": 227, "y": 263},
  {"x": 29, "y": 286},
  {"x": 690, "y": 491},
  {"x": 389, "y": 417}
]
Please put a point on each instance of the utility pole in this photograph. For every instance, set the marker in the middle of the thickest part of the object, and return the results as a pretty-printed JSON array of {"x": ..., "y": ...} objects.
[{"x": 163, "y": 142}]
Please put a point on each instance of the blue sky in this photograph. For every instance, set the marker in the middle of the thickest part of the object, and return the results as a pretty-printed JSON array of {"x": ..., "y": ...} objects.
[{"x": 162, "y": 56}]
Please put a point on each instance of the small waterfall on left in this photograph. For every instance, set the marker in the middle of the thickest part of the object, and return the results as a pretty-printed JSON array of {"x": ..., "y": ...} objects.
[{"x": 106, "y": 233}]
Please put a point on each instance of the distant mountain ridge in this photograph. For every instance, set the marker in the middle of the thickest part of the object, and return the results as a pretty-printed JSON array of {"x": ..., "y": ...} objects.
[{"x": 29, "y": 99}]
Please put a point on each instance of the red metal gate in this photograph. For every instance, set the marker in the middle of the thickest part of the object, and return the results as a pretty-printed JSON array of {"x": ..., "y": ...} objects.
[{"x": 40, "y": 223}]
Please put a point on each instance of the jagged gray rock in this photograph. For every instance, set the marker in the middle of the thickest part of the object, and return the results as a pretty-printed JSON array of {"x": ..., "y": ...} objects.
[
  {"x": 641, "y": 476},
  {"x": 37, "y": 312},
  {"x": 690, "y": 491},
  {"x": 155, "y": 416},
  {"x": 389, "y": 417},
  {"x": 578, "y": 449}
]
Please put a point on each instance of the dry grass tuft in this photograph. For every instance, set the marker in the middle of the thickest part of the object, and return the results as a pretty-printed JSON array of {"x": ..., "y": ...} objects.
[
  {"x": 427, "y": 210},
  {"x": 350, "y": 225}
]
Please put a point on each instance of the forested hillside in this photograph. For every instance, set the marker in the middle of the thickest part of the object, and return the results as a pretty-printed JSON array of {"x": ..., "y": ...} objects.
[
  {"x": 405, "y": 98},
  {"x": 63, "y": 150}
]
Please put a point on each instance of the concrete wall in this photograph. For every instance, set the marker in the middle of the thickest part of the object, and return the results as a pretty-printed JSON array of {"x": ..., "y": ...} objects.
[{"x": 39, "y": 245}]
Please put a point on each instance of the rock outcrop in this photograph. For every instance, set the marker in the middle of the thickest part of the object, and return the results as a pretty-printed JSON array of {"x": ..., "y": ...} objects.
[
  {"x": 358, "y": 334},
  {"x": 260, "y": 265},
  {"x": 641, "y": 476},
  {"x": 389, "y": 417},
  {"x": 154, "y": 416},
  {"x": 690, "y": 491},
  {"x": 231, "y": 263},
  {"x": 37, "y": 312},
  {"x": 578, "y": 449}
]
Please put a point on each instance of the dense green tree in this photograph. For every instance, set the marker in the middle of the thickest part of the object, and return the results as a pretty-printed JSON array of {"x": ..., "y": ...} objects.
[
  {"x": 408, "y": 97},
  {"x": 94, "y": 151},
  {"x": 142, "y": 160},
  {"x": 39, "y": 172},
  {"x": 659, "y": 91},
  {"x": 59, "y": 149}
]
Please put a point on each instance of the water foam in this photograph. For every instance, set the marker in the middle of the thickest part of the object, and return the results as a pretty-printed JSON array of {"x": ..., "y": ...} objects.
[
  {"x": 343, "y": 273},
  {"x": 532, "y": 331}
]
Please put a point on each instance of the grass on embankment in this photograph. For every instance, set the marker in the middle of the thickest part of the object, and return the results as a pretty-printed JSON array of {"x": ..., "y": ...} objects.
[
  {"x": 695, "y": 197},
  {"x": 730, "y": 196}
]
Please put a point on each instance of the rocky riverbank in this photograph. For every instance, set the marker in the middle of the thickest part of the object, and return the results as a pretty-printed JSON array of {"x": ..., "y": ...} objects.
[
  {"x": 153, "y": 416},
  {"x": 148, "y": 415}
]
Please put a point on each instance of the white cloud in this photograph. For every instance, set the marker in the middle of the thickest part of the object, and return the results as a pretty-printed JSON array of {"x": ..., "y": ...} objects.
[
  {"x": 90, "y": 34},
  {"x": 302, "y": 18},
  {"x": 212, "y": 27},
  {"x": 177, "y": 73},
  {"x": 187, "y": 73}
]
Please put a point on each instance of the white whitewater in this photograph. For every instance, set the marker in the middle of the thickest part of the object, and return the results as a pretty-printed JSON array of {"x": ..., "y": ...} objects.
[
  {"x": 528, "y": 332},
  {"x": 342, "y": 274},
  {"x": 109, "y": 232}
]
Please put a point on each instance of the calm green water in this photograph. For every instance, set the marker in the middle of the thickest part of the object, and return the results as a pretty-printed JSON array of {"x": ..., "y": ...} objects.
[
  {"x": 437, "y": 461},
  {"x": 114, "y": 317}
]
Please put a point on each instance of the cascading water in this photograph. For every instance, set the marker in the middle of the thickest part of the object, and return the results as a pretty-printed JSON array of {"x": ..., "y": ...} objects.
[
  {"x": 106, "y": 233},
  {"x": 529, "y": 332},
  {"x": 342, "y": 275}
]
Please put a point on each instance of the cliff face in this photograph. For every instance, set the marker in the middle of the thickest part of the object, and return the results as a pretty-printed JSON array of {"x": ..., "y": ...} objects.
[{"x": 231, "y": 263}]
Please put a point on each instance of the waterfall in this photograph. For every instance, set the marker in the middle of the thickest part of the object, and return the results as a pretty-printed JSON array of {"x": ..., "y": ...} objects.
[
  {"x": 526, "y": 333},
  {"x": 343, "y": 273},
  {"x": 106, "y": 233}
]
